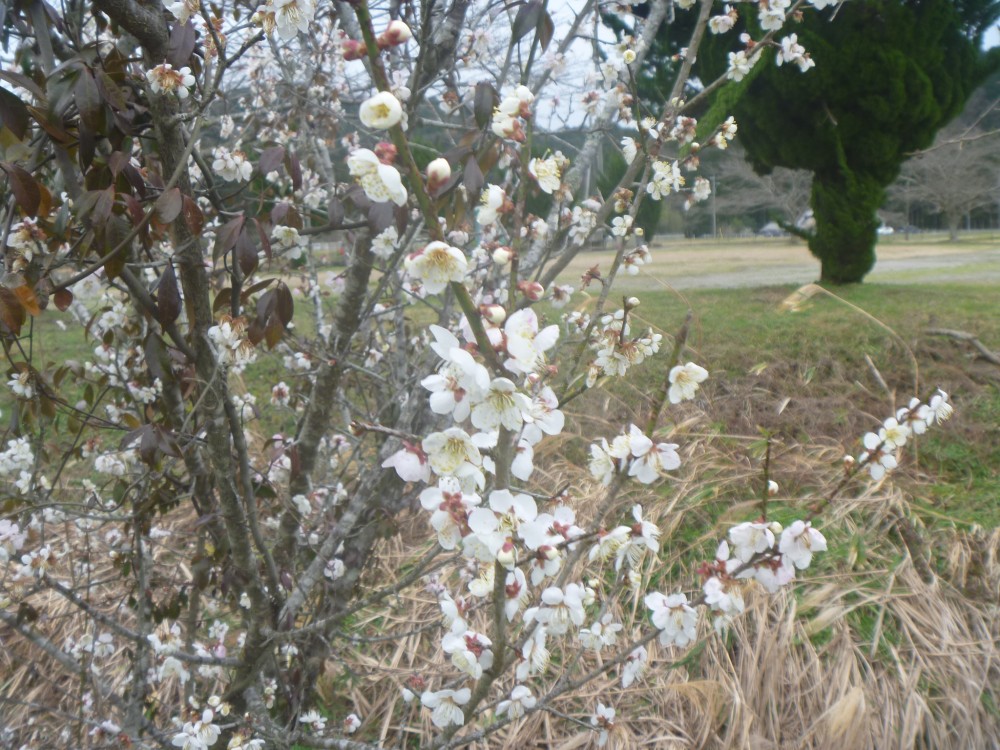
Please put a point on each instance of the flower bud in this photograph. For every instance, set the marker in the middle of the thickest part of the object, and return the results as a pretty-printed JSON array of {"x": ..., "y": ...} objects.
[
  {"x": 775, "y": 528},
  {"x": 495, "y": 314},
  {"x": 772, "y": 487},
  {"x": 507, "y": 556},
  {"x": 395, "y": 33},
  {"x": 531, "y": 289},
  {"x": 386, "y": 152},
  {"x": 632, "y": 302},
  {"x": 628, "y": 57},
  {"x": 438, "y": 173},
  {"x": 502, "y": 255},
  {"x": 353, "y": 50}
]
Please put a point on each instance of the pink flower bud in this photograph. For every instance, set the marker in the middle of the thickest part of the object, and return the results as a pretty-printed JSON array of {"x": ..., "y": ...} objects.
[
  {"x": 354, "y": 50},
  {"x": 438, "y": 173},
  {"x": 386, "y": 152},
  {"x": 531, "y": 289},
  {"x": 395, "y": 33}
]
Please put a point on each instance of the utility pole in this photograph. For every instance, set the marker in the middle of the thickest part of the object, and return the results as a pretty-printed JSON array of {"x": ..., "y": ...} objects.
[{"x": 715, "y": 229}]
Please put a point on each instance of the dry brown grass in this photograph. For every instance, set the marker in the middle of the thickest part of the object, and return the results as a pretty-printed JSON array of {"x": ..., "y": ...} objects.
[
  {"x": 879, "y": 646},
  {"x": 866, "y": 652}
]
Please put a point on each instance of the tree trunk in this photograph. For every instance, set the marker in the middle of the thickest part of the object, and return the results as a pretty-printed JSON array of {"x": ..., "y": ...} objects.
[
  {"x": 954, "y": 221},
  {"x": 844, "y": 207}
]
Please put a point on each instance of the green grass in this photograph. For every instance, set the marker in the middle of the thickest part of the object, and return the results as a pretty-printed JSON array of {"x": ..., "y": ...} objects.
[{"x": 815, "y": 356}]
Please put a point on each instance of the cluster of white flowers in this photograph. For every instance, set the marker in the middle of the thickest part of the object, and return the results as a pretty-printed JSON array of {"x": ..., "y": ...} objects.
[
  {"x": 583, "y": 221},
  {"x": 11, "y": 539},
  {"x": 231, "y": 166},
  {"x": 289, "y": 241},
  {"x": 667, "y": 178},
  {"x": 634, "y": 453},
  {"x": 616, "y": 349},
  {"x": 724, "y": 22},
  {"x": 385, "y": 242},
  {"x": 231, "y": 342},
  {"x": 509, "y": 113},
  {"x": 116, "y": 463},
  {"x": 548, "y": 171},
  {"x": 633, "y": 260},
  {"x": 771, "y": 13},
  {"x": 381, "y": 182},
  {"x": 880, "y": 456},
  {"x": 794, "y": 53},
  {"x": 163, "y": 78},
  {"x": 285, "y": 17},
  {"x": 26, "y": 239},
  {"x": 437, "y": 265}
]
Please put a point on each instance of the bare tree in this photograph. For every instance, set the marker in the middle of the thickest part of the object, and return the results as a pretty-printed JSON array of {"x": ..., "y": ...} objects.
[
  {"x": 740, "y": 190},
  {"x": 955, "y": 177}
]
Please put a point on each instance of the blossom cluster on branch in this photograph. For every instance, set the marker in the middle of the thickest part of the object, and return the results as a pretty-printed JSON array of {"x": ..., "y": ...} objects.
[{"x": 309, "y": 258}]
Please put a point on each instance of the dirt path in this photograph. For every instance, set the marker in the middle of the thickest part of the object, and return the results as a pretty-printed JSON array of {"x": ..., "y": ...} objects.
[{"x": 705, "y": 265}]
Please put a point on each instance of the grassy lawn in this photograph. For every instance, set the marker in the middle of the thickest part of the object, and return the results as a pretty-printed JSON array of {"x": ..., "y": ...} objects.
[
  {"x": 833, "y": 361},
  {"x": 823, "y": 358}
]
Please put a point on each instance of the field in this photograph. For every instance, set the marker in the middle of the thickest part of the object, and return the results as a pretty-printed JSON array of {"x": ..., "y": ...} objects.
[{"x": 893, "y": 638}]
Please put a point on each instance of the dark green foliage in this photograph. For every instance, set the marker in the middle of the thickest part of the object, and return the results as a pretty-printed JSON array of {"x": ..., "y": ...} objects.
[{"x": 889, "y": 74}]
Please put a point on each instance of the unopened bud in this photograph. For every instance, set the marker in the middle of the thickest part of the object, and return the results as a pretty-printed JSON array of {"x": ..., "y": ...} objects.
[
  {"x": 502, "y": 255},
  {"x": 848, "y": 461},
  {"x": 775, "y": 528},
  {"x": 353, "y": 50},
  {"x": 495, "y": 314},
  {"x": 772, "y": 487},
  {"x": 507, "y": 556},
  {"x": 438, "y": 173},
  {"x": 386, "y": 152},
  {"x": 629, "y": 57},
  {"x": 549, "y": 553},
  {"x": 632, "y": 302},
  {"x": 531, "y": 289},
  {"x": 395, "y": 33}
]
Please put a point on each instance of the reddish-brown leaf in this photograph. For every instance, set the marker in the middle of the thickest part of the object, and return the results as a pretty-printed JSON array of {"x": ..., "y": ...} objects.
[
  {"x": 88, "y": 101},
  {"x": 168, "y": 205},
  {"x": 294, "y": 170},
  {"x": 168, "y": 297},
  {"x": 182, "y": 41},
  {"x": 63, "y": 299},
  {"x": 270, "y": 159},
  {"x": 246, "y": 253},
  {"x": 14, "y": 114},
  {"x": 102, "y": 208},
  {"x": 227, "y": 235},
  {"x": 284, "y": 306},
  {"x": 192, "y": 215},
  {"x": 265, "y": 241},
  {"x": 24, "y": 187},
  {"x": 12, "y": 315}
]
